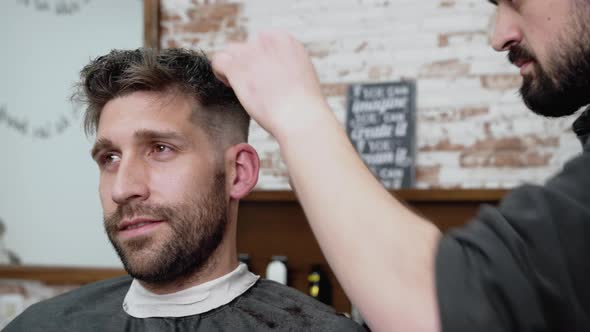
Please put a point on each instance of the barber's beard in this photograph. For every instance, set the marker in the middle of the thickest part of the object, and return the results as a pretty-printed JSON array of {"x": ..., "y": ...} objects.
[
  {"x": 562, "y": 86},
  {"x": 195, "y": 228}
]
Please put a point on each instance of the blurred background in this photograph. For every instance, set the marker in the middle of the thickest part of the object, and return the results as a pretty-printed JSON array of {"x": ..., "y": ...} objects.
[{"x": 473, "y": 139}]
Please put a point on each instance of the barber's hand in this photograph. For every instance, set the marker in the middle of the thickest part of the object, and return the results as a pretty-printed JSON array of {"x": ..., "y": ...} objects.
[{"x": 274, "y": 79}]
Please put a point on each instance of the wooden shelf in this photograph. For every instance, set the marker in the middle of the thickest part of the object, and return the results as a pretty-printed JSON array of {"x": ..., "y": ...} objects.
[
  {"x": 408, "y": 195},
  {"x": 58, "y": 275},
  {"x": 450, "y": 195}
]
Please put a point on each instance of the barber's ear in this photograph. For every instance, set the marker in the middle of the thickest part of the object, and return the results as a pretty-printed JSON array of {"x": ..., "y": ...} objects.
[{"x": 243, "y": 166}]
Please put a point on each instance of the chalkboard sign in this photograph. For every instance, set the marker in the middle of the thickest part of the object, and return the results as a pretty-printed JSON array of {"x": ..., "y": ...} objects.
[{"x": 381, "y": 125}]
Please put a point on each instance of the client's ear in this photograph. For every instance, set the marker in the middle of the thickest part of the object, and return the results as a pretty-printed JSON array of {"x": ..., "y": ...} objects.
[{"x": 243, "y": 166}]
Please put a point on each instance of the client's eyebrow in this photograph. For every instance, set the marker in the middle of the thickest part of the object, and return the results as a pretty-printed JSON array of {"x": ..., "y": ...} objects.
[
  {"x": 142, "y": 135},
  {"x": 495, "y": 2},
  {"x": 149, "y": 135}
]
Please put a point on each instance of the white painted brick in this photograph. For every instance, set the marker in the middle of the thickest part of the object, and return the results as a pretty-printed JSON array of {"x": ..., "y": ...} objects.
[{"x": 355, "y": 41}]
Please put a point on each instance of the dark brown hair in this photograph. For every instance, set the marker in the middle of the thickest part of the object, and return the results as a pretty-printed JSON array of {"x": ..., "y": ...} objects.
[{"x": 121, "y": 72}]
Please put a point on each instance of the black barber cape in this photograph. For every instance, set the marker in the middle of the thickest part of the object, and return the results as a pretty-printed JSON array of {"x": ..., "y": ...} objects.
[
  {"x": 524, "y": 265},
  {"x": 266, "y": 306}
]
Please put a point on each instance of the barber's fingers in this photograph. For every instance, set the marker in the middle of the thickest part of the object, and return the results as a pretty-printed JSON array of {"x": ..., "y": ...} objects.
[
  {"x": 221, "y": 60},
  {"x": 224, "y": 62}
]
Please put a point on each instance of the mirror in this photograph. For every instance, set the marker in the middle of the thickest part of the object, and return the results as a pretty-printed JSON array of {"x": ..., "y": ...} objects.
[{"x": 48, "y": 183}]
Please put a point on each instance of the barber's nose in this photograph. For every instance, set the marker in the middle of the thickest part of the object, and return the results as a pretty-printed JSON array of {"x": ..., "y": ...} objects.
[
  {"x": 507, "y": 32},
  {"x": 130, "y": 182}
]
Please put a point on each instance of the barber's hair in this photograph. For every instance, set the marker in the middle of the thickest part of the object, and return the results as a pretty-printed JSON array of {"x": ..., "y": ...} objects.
[{"x": 170, "y": 71}]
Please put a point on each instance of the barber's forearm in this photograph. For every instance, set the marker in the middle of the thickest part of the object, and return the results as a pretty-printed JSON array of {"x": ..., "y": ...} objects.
[{"x": 382, "y": 253}]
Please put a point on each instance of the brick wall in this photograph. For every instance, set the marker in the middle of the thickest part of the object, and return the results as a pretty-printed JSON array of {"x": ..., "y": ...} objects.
[{"x": 472, "y": 131}]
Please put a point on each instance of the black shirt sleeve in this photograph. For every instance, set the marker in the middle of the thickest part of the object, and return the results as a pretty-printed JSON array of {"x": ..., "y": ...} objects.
[{"x": 522, "y": 266}]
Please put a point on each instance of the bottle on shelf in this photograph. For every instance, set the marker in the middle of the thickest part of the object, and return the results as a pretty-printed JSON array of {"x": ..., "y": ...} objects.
[
  {"x": 277, "y": 269},
  {"x": 319, "y": 286},
  {"x": 244, "y": 258}
]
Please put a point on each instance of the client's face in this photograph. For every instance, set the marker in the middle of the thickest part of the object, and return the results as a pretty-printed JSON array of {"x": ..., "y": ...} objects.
[{"x": 161, "y": 187}]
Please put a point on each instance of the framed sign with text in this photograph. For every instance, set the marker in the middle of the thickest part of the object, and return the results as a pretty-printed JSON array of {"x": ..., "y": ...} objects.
[{"x": 380, "y": 122}]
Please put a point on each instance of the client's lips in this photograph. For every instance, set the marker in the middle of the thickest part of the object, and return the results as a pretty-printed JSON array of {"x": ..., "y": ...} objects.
[
  {"x": 138, "y": 226},
  {"x": 521, "y": 62}
]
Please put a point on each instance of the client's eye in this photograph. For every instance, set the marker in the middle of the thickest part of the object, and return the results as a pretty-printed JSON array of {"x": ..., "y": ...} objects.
[
  {"x": 161, "y": 148},
  {"x": 162, "y": 152},
  {"x": 107, "y": 160}
]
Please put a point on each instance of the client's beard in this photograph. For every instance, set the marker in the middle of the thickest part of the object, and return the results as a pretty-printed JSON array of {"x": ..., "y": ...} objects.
[{"x": 197, "y": 227}]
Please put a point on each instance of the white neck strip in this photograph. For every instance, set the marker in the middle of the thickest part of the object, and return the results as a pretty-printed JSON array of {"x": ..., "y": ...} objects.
[{"x": 141, "y": 303}]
